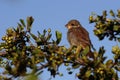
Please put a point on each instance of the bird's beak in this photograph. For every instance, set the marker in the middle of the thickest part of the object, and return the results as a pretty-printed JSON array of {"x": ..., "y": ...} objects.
[{"x": 69, "y": 27}]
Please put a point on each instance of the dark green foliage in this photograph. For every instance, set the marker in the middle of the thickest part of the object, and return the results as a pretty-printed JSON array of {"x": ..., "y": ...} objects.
[{"x": 106, "y": 27}]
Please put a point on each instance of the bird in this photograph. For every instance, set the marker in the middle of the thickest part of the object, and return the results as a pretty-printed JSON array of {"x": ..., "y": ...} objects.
[{"x": 78, "y": 35}]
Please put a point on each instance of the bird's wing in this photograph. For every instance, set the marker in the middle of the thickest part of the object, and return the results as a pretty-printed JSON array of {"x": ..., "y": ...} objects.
[
  {"x": 77, "y": 36},
  {"x": 84, "y": 35},
  {"x": 73, "y": 37}
]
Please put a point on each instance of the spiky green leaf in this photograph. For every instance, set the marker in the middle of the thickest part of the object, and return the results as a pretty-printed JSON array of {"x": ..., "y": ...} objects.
[{"x": 58, "y": 36}]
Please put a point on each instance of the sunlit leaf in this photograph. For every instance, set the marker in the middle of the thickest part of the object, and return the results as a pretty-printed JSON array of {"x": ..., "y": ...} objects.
[
  {"x": 44, "y": 32},
  {"x": 36, "y": 51},
  {"x": 104, "y": 13},
  {"x": 49, "y": 30},
  {"x": 48, "y": 37},
  {"x": 58, "y": 36},
  {"x": 112, "y": 13},
  {"x": 33, "y": 36},
  {"x": 29, "y": 23},
  {"x": 115, "y": 49},
  {"x": 118, "y": 14},
  {"x": 75, "y": 66},
  {"x": 31, "y": 77},
  {"x": 88, "y": 73},
  {"x": 91, "y": 19},
  {"x": 41, "y": 36},
  {"x": 68, "y": 68},
  {"x": 116, "y": 27},
  {"x": 109, "y": 63},
  {"x": 22, "y": 22},
  {"x": 61, "y": 74},
  {"x": 86, "y": 50},
  {"x": 20, "y": 27}
]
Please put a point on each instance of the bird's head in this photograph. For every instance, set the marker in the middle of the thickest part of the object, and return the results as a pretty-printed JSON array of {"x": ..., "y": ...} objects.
[{"x": 72, "y": 24}]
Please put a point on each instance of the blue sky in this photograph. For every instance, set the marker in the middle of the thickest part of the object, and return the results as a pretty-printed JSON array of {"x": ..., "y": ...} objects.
[{"x": 55, "y": 14}]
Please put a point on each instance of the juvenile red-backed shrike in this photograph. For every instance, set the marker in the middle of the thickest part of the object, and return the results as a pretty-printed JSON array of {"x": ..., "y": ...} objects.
[{"x": 77, "y": 35}]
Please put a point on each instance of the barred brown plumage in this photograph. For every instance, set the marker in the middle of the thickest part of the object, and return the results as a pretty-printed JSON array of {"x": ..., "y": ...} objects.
[{"x": 77, "y": 35}]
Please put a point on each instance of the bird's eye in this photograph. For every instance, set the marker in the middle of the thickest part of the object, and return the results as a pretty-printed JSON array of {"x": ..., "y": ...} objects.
[{"x": 72, "y": 24}]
